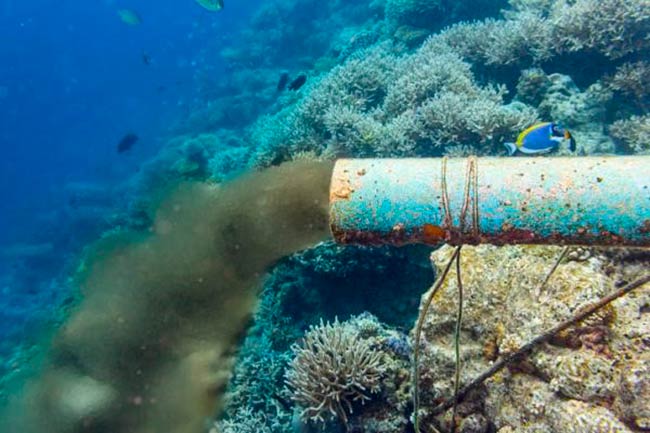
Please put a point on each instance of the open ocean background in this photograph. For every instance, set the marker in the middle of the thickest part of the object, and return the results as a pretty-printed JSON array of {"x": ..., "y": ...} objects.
[{"x": 73, "y": 82}]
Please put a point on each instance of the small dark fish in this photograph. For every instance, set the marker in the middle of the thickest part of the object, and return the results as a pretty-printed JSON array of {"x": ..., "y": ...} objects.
[
  {"x": 298, "y": 82},
  {"x": 127, "y": 142},
  {"x": 146, "y": 58},
  {"x": 283, "y": 402},
  {"x": 284, "y": 80}
]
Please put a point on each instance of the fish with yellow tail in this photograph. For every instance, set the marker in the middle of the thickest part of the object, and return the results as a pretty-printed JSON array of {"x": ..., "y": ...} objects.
[{"x": 541, "y": 138}]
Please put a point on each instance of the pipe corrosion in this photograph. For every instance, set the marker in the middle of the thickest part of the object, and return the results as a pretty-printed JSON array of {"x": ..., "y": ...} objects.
[{"x": 566, "y": 201}]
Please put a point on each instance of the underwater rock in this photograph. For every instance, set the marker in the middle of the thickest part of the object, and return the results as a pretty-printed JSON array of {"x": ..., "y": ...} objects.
[
  {"x": 582, "y": 376},
  {"x": 633, "y": 400},
  {"x": 566, "y": 385},
  {"x": 577, "y": 417},
  {"x": 564, "y": 102}
]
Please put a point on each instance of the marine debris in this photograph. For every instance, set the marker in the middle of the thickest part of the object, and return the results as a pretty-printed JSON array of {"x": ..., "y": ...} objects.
[{"x": 559, "y": 201}]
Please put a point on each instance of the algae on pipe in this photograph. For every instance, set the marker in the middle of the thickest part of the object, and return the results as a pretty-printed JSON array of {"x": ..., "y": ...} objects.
[{"x": 580, "y": 201}]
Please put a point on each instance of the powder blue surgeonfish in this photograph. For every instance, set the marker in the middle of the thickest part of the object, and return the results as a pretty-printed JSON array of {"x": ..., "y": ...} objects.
[{"x": 541, "y": 138}]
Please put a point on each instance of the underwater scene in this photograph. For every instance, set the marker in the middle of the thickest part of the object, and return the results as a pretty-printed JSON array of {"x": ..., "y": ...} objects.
[{"x": 354, "y": 216}]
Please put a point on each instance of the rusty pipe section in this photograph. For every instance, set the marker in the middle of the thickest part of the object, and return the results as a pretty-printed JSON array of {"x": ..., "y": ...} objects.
[{"x": 580, "y": 201}]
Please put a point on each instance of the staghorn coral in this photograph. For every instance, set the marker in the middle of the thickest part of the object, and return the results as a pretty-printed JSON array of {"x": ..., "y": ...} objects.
[
  {"x": 384, "y": 105},
  {"x": 351, "y": 132},
  {"x": 332, "y": 370},
  {"x": 524, "y": 38},
  {"x": 539, "y": 30},
  {"x": 427, "y": 72},
  {"x": 612, "y": 27},
  {"x": 634, "y": 133},
  {"x": 460, "y": 118}
]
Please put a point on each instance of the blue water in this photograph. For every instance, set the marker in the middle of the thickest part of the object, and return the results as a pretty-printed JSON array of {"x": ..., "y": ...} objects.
[{"x": 73, "y": 82}]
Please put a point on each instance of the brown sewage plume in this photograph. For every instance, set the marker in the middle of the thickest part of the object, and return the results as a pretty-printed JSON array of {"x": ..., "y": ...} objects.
[{"x": 150, "y": 347}]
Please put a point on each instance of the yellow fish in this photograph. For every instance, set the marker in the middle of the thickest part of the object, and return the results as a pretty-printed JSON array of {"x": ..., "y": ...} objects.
[
  {"x": 129, "y": 17},
  {"x": 211, "y": 5}
]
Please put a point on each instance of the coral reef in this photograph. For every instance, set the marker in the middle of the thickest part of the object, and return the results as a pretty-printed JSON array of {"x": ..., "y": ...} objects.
[
  {"x": 537, "y": 30},
  {"x": 382, "y": 105},
  {"x": 355, "y": 362},
  {"x": 557, "y": 97},
  {"x": 632, "y": 79},
  {"x": 244, "y": 421},
  {"x": 634, "y": 133},
  {"x": 612, "y": 27},
  {"x": 384, "y": 78},
  {"x": 332, "y": 370},
  {"x": 326, "y": 281},
  {"x": 568, "y": 384}
]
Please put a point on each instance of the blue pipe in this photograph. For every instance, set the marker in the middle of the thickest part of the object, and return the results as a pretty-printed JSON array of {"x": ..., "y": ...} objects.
[{"x": 578, "y": 201}]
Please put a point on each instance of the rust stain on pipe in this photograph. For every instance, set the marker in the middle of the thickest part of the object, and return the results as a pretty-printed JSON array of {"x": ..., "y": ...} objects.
[{"x": 583, "y": 201}]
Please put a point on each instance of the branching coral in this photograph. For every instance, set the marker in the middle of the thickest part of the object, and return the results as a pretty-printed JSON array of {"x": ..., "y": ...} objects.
[
  {"x": 632, "y": 79},
  {"x": 633, "y": 132},
  {"x": 526, "y": 37},
  {"x": 384, "y": 105},
  {"x": 537, "y": 30},
  {"x": 612, "y": 27},
  {"x": 244, "y": 421},
  {"x": 332, "y": 370},
  {"x": 424, "y": 74},
  {"x": 461, "y": 118}
]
